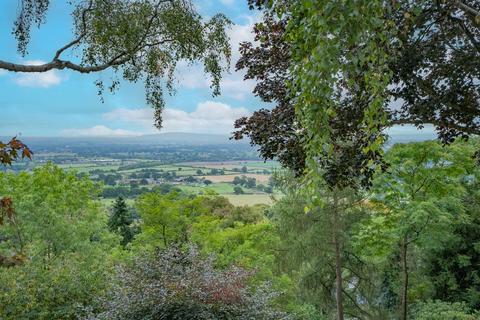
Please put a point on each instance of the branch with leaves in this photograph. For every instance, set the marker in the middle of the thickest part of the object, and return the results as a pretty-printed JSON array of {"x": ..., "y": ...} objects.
[
  {"x": 12, "y": 150},
  {"x": 140, "y": 40}
]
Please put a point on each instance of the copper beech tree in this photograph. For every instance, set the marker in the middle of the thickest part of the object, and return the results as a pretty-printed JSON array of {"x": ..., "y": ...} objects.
[
  {"x": 339, "y": 73},
  {"x": 432, "y": 77}
]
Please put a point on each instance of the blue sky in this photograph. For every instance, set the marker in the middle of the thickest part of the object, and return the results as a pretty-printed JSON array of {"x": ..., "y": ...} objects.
[{"x": 65, "y": 103}]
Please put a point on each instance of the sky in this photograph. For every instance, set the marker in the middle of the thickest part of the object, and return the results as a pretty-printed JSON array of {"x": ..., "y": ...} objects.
[{"x": 65, "y": 103}]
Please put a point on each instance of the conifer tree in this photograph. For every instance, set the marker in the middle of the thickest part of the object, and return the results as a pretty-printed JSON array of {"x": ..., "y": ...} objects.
[{"x": 120, "y": 221}]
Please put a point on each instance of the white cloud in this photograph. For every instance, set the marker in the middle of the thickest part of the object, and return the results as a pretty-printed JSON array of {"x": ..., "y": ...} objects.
[
  {"x": 227, "y": 2},
  {"x": 41, "y": 79},
  {"x": 232, "y": 84},
  {"x": 208, "y": 117},
  {"x": 2, "y": 72},
  {"x": 142, "y": 117},
  {"x": 98, "y": 131}
]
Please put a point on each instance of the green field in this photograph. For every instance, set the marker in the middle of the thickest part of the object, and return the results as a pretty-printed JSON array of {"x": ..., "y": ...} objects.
[
  {"x": 133, "y": 170},
  {"x": 249, "y": 199}
]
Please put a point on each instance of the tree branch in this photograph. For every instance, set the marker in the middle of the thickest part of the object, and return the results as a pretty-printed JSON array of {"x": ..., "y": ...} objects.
[
  {"x": 80, "y": 37},
  {"x": 469, "y": 130},
  {"x": 59, "y": 64}
]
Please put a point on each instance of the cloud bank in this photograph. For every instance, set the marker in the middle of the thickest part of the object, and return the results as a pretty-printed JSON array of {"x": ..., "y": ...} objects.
[
  {"x": 98, "y": 131},
  {"x": 39, "y": 80},
  {"x": 208, "y": 117}
]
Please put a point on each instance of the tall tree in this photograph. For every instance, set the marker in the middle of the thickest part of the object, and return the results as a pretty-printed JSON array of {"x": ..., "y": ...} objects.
[
  {"x": 421, "y": 200},
  {"x": 121, "y": 220},
  {"x": 345, "y": 72},
  {"x": 432, "y": 75},
  {"x": 315, "y": 249}
]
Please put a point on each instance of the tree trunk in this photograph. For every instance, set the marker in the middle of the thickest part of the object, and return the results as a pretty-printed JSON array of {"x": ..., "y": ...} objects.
[
  {"x": 339, "y": 280},
  {"x": 338, "y": 258},
  {"x": 404, "y": 303}
]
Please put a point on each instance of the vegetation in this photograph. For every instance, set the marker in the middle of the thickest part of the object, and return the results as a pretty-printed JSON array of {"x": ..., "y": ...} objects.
[{"x": 352, "y": 230}]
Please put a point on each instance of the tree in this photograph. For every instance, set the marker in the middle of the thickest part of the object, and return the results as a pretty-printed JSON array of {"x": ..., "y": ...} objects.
[
  {"x": 120, "y": 221},
  {"x": 316, "y": 250},
  {"x": 423, "y": 84},
  {"x": 199, "y": 172},
  {"x": 244, "y": 169},
  {"x": 452, "y": 267},
  {"x": 137, "y": 40},
  {"x": 237, "y": 180},
  {"x": 421, "y": 199},
  {"x": 164, "y": 220},
  {"x": 275, "y": 132},
  {"x": 340, "y": 86},
  {"x": 250, "y": 182},
  {"x": 238, "y": 190},
  {"x": 61, "y": 239},
  {"x": 207, "y": 182}
]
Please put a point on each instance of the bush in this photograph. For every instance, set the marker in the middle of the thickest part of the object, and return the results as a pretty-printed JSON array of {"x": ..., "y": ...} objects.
[
  {"x": 439, "y": 310},
  {"x": 179, "y": 284}
]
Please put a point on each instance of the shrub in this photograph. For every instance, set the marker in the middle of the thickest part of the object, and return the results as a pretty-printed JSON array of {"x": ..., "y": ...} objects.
[
  {"x": 180, "y": 284},
  {"x": 439, "y": 310}
]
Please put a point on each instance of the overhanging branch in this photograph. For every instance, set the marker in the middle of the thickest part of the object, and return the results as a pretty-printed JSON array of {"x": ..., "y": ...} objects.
[{"x": 59, "y": 64}]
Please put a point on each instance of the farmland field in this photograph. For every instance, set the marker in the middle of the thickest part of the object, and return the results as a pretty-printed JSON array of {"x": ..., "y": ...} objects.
[
  {"x": 249, "y": 199},
  {"x": 128, "y": 170}
]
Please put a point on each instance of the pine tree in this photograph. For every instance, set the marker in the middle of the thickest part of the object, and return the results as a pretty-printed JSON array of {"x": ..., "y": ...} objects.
[{"x": 120, "y": 221}]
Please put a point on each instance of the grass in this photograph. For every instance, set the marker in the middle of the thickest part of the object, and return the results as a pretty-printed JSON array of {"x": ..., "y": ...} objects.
[{"x": 249, "y": 199}]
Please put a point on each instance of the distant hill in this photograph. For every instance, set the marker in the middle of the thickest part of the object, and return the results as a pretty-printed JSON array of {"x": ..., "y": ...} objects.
[
  {"x": 186, "y": 139},
  {"x": 409, "y": 134},
  {"x": 397, "y": 135}
]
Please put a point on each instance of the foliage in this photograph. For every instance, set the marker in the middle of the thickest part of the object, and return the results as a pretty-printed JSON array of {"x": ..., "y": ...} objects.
[
  {"x": 275, "y": 131},
  {"x": 237, "y": 235},
  {"x": 438, "y": 310},
  {"x": 121, "y": 220},
  {"x": 10, "y": 151},
  {"x": 434, "y": 64},
  {"x": 141, "y": 40},
  {"x": 453, "y": 268},
  {"x": 422, "y": 55},
  {"x": 306, "y": 254},
  {"x": 416, "y": 206},
  {"x": 180, "y": 284},
  {"x": 61, "y": 235},
  {"x": 238, "y": 190}
]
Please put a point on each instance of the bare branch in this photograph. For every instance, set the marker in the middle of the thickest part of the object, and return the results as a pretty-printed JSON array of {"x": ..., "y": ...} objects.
[{"x": 80, "y": 37}]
